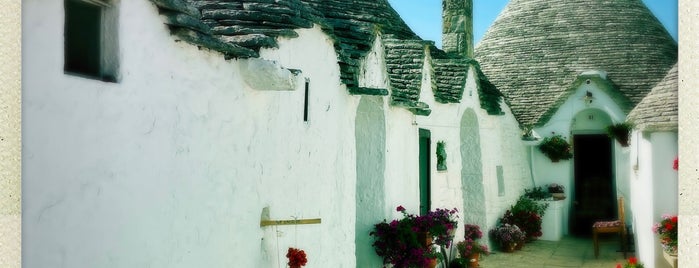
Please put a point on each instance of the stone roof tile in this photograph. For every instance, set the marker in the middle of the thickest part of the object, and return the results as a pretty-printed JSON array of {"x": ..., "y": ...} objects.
[
  {"x": 404, "y": 62},
  {"x": 658, "y": 110}
]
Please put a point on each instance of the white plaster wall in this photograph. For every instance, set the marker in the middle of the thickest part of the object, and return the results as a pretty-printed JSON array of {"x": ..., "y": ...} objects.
[
  {"x": 402, "y": 161},
  {"x": 546, "y": 172},
  {"x": 172, "y": 166},
  {"x": 642, "y": 199},
  {"x": 513, "y": 154},
  {"x": 653, "y": 190},
  {"x": 372, "y": 72}
]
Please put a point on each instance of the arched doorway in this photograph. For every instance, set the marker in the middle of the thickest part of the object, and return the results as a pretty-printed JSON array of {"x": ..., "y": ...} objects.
[
  {"x": 370, "y": 137},
  {"x": 472, "y": 170},
  {"x": 594, "y": 194}
]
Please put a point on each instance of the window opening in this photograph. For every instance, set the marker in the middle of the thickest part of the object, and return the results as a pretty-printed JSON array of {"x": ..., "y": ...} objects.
[
  {"x": 501, "y": 181},
  {"x": 90, "y": 39},
  {"x": 305, "y": 101}
]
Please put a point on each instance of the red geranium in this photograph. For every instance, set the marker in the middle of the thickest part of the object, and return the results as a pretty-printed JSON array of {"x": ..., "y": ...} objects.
[
  {"x": 667, "y": 233},
  {"x": 631, "y": 263},
  {"x": 297, "y": 258}
]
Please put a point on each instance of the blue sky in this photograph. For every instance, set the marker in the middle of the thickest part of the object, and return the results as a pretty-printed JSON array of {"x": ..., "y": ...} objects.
[{"x": 425, "y": 16}]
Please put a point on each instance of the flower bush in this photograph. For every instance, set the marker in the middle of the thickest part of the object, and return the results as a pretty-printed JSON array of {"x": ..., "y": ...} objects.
[
  {"x": 470, "y": 245},
  {"x": 472, "y": 232},
  {"x": 297, "y": 258},
  {"x": 556, "y": 147},
  {"x": 526, "y": 214},
  {"x": 537, "y": 193},
  {"x": 667, "y": 232},
  {"x": 506, "y": 233},
  {"x": 440, "y": 223},
  {"x": 527, "y": 204},
  {"x": 556, "y": 188},
  {"x": 631, "y": 263},
  {"x": 527, "y": 221},
  {"x": 401, "y": 242}
]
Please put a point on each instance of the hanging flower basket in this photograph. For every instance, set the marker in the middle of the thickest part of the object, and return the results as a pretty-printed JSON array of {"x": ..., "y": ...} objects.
[
  {"x": 620, "y": 132},
  {"x": 556, "y": 148}
]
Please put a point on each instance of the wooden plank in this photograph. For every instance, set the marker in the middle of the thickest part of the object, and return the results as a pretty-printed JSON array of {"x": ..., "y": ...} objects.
[{"x": 288, "y": 222}]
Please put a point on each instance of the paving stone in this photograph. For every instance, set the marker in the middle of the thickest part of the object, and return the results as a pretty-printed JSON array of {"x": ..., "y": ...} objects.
[{"x": 569, "y": 252}]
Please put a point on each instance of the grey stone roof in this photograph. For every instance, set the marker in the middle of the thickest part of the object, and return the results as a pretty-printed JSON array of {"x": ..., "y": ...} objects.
[
  {"x": 658, "y": 110},
  {"x": 239, "y": 29},
  {"x": 449, "y": 79},
  {"x": 404, "y": 62},
  {"x": 537, "y": 48},
  {"x": 355, "y": 24}
]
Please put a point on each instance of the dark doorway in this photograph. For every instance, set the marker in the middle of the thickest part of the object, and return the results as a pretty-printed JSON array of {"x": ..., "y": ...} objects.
[
  {"x": 594, "y": 197},
  {"x": 424, "y": 171}
]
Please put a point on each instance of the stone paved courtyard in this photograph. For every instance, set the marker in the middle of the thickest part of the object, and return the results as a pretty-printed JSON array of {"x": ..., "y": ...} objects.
[{"x": 569, "y": 252}]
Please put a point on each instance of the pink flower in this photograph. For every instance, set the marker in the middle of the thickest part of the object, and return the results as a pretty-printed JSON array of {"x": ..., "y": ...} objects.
[
  {"x": 675, "y": 164},
  {"x": 400, "y": 209}
]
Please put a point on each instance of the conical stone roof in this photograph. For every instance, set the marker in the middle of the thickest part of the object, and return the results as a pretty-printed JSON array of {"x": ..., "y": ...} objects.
[
  {"x": 658, "y": 110},
  {"x": 536, "y": 48}
]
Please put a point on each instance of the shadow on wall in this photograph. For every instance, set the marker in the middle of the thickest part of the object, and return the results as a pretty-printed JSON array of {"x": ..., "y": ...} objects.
[
  {"x": 370, "y": 137},
  {"x": 471, "y": 171}
]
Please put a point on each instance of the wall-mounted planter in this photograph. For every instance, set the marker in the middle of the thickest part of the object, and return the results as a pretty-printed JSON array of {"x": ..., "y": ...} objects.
[
  {"x": 441, "y": 156},
  {"x": 556, "y": 148},
  {"x": 620, "y": 132}
]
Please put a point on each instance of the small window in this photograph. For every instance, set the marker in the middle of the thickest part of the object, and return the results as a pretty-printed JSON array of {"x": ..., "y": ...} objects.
[{"x": 90, "y": 39}]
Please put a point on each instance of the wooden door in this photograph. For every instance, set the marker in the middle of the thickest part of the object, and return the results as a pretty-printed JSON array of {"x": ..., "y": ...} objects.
[
  {"x": 425, "y": 197},
  {"x": 594, "y": 195}
]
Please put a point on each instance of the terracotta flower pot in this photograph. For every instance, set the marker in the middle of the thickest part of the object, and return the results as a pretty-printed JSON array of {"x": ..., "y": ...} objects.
[
  {"x": 473, "y": 260},
  {"x": 671, "y": 258},
  {"x": 425, "y": 238},
  {"x": 558, "y": 196},
  {"x": 432, "y": 263},
  {"x": 510, "y": 247}
]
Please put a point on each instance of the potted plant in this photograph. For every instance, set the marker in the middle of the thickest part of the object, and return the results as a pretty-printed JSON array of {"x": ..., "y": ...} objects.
[
  {"x": 470, "y": 249},
  {"x": 506, "y": 236},
  {"x": 557, "y": 191},
  {"x": 537, "y": 193},
  {"x": 440, "y": 225},
  {"x": 526, "y": 214},
  {"x": 408, "y": 242},
  {"x": 620, "y": 132},
  {"x": 527, "y": 221},
  {"x": 555, "y": 148},
  {"x": 667, "y": 233},
  {"x": 297, "y": 258}
]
